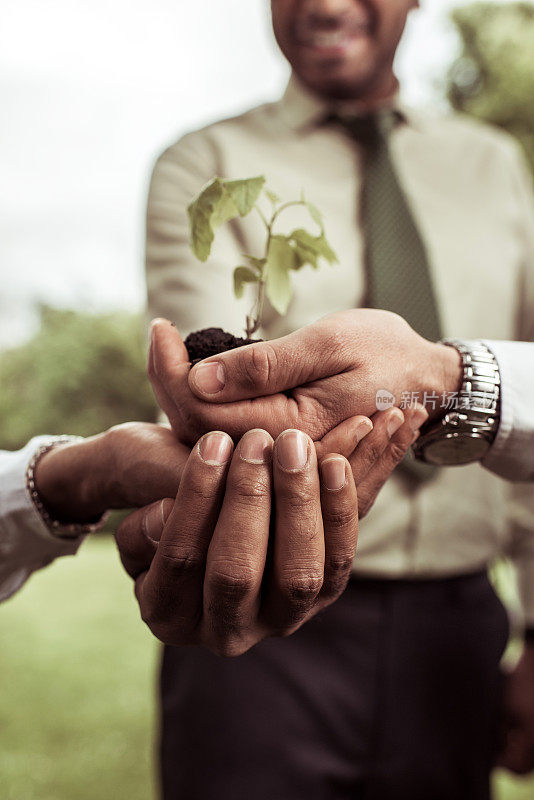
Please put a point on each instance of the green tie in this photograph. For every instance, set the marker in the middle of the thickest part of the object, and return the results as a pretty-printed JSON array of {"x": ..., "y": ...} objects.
[{"x": 398, "y": 274}]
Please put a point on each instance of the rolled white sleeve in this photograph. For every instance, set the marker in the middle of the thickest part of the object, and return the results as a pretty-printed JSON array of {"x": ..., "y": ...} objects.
[
  {"x": 512, "y": 454},
  {"x": 26, "y": 543}
]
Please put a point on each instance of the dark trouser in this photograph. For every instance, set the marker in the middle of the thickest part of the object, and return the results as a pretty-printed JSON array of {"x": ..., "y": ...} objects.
[{"x": 393, "y": 692}]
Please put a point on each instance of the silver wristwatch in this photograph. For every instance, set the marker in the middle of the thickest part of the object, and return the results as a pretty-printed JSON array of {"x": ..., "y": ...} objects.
[{"x": 466, "y": 432}]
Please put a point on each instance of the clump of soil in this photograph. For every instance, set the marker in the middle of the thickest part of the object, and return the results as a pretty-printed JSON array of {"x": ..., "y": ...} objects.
[{"x": 211, "y": 341}]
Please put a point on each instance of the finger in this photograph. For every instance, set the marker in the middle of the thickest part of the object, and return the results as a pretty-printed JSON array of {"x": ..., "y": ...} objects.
[
  {"x": 166, "y": 345},
  {"x": 171, "y": 598},
  {"x": 345, "y": 437},
  {"x": 298, "y": 554},
  {"x": 367, "y": 454},
  {"x": 238, "y": 549},
  {"x": 339, "y": 506},
  {"x": 394, "y": 452},
  {"x": 138, "y": 535},
  {"x": 169, "y": 346},
  {"x": 270, "y": 367},
  {"x": 380, "y": 471},
  {"x": 415, "y": 415}
]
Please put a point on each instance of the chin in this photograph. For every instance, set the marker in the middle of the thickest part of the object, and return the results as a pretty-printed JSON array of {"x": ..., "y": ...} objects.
[
  {"x": 337, "y": 86},
  {"x": 339, "y": 90}
]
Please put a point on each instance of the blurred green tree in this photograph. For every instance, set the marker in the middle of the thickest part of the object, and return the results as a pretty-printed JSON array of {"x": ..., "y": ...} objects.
[
  {"x": 80, "y": 374},
  {"x": 493, "y": 78}
]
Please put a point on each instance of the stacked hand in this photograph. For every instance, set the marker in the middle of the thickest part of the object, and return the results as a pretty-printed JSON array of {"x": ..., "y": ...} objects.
[
  {"x": 217, "y": 568},
  {"x": 212, "y": 564},
  {"x": 199, "y": 560}
]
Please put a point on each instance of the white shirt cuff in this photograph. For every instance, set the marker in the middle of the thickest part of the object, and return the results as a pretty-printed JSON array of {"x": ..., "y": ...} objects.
[
  {"x": 26, "y": 542},
  {"x": 512, "y": 454}
]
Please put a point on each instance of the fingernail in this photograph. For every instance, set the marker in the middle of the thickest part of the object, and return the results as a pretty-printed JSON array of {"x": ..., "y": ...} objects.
[
  {"x": 154, "y": 520},
  {"x": 418, "y": 418},
  {"x": 255, "y": 446},
  {"x": 209, "y": 378},
  {"x": 395, "y": 421},
  {"x": 292, "y": 450},
  {"x": 333, "y": 473},
  {"x": 364, "y": 427},
  {"x": 166, "y": 508},
  {"x": 155, "y": 322},
  {"x": 215, "y": 448}
]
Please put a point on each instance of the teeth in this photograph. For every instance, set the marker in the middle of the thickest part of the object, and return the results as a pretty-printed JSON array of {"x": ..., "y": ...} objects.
[{"x": 329, "y": 38}]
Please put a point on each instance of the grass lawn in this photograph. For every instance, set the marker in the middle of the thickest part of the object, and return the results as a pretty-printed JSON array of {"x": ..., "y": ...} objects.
[{"x": 77, "y": 671}]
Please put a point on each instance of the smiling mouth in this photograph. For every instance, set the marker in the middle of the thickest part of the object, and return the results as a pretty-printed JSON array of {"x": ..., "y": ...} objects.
[{"x": 331, "y": 41}]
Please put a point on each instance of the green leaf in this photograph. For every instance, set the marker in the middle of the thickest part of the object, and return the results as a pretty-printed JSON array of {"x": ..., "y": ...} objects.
[
  {"x": 218, "y": 202},
  {"x": 315, "y": 214},
  {"x": 306, "y": 256},
  {"x": 285, "y": 251},
  {"x": 255, "y": 263},
  {"x": 326, "y": 251},
  {"x": 244, "y": 193},
  {"x": 274, "y": 199},
  {"x": 243, "y": 275},
  {"x": 280, "y": 261},
  {"x": 310, "y": 247},
  {"x": 224, "y": 211},
  {"x": 207, "y": 212},
  {"x": 306, "y": 245}
]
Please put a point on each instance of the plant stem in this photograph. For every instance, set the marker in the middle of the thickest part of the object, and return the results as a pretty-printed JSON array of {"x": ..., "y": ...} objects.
[
  {"x": 253, "y": 323},
  {"x": 254, "y": 319},
  {"x": 262, "y": 215},
  {"x": 283, "y": 208}
]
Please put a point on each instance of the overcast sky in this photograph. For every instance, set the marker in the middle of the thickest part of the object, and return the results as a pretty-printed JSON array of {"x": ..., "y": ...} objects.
[{"x": 92, "y": 90}]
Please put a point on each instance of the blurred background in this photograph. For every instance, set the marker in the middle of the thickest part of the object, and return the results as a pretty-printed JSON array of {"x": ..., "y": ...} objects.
[{"x": 90, "y": 93}]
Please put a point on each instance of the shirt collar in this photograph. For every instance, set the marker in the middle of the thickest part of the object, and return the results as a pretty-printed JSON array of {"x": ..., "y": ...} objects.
[{"x": 302, "y": 110}]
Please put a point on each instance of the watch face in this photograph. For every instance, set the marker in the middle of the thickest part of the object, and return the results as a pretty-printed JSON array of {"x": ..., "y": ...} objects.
[{"x": 456, "y": 449}]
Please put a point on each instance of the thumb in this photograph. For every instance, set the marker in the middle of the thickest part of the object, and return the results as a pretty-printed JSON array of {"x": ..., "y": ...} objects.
[
  {"x": 167, "y": 351},
  {"x": 138, "y": 535},
  {"x": 266, "y": 368}
]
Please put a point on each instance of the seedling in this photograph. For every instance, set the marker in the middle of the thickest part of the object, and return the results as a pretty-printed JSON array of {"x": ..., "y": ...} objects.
[{"x": 270, "y": 272}]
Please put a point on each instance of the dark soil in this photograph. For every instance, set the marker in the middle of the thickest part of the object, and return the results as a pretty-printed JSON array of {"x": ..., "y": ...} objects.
[{"x": 210, "y": 341}]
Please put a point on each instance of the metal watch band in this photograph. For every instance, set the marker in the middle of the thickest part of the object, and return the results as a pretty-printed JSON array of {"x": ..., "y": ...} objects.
[
  {"x": 465, "y": 434},
  {"x": 480, "y": 390}
]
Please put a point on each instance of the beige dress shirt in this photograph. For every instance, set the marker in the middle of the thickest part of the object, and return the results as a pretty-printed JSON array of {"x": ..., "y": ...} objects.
[{"x": 471, "y": 197}]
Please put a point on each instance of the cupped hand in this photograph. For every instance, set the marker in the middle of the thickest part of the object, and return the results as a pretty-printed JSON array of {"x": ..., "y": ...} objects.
[
  {"x": 312, "y": 379},
  {"x": 218, "y": 576},
  {"x": 259, "y": 539}
]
